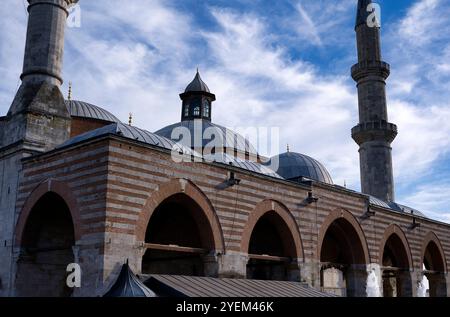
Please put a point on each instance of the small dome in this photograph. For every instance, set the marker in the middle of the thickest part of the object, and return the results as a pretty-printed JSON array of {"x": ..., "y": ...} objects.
[
  {"x": 294, "y": 166},
  {"x": 197, "y": 85},
  {"x": 86, "y": 110}
]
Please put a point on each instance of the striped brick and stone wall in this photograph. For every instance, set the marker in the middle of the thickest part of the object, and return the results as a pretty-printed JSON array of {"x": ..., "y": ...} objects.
[
  {"x": 79, "y": 176},
  {"x": 116, "y": 184}
]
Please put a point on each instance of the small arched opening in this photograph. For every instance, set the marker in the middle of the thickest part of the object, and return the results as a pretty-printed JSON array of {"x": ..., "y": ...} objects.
[
  {"x": 396, "y": 268},
  {"x": 272, "y": 250},
  {"x": 46, "y": 243},
  {"x": 343, "y": 260},
  {"x": 179, "y": 239},
  {"x": 434, "y": 270}
]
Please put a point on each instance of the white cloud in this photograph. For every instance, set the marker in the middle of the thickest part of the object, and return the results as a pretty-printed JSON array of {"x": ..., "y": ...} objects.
[
  {"x": 266, "y": 87},
  {"x": 242, "y": 47},
  {"x": 419, "y": 99},
  {"x": 419, "y": 103},
  {"x": 131, "y": 58},
  {"x": 12, "y": 45},
  {"x": 423, "y": 138},
  {"x": 136, "y": 58},
  {"x": 418, "y": 49},
  {"x": 433, "y": 198},
  {"x": 314, "y": 20},
  {"x": 307, "y": 26},
  {"x": 422, "y": 22}
]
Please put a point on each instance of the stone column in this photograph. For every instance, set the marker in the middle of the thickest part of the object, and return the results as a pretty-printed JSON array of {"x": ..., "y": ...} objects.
[
  {"x": 310, "y": 274},
  {"x": 438, "y": 284},
  {"x": 447, "y": 277},
  {"x": 210, "y": 265},
  {"x": 374, "y": 285},
  {"x": 293, "y": 269},
  {"x": 407, "y": 281},
  {"x": 356, "y": 280},
  {"x": 232, "y": 265}
]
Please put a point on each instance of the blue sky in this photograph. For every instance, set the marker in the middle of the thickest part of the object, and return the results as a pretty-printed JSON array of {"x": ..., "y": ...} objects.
[{"x": 282, "y": 63}]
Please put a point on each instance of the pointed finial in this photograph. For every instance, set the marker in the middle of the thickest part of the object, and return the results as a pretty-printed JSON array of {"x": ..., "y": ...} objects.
[
  {"x": 288, "y": 148},
  {"x": 69, "y": 95},
  {"x": 130, "y": 119}
]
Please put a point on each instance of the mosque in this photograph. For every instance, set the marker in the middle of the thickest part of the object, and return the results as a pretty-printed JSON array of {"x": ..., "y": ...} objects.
[{"x": 148, "y": 214}]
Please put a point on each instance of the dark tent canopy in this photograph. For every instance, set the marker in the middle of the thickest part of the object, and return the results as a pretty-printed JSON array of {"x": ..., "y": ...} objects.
[{"x": 128, "y": 285}]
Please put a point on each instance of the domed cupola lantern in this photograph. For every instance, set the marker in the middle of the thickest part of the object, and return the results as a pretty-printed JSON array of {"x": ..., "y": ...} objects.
[{"x": 197, "y": 100}]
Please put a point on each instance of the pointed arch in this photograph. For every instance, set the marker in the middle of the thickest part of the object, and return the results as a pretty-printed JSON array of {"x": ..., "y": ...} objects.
[
  {"x": 60, "y": 188},
  {"x": 343, "y": 215},
  {"x": 284, "y": 214},
  {"x": 188, "y": 188},
  {"x": 388, "y": 233},
  {"x": 432, "y": 237},
  {"x": 47, "y": 230}
]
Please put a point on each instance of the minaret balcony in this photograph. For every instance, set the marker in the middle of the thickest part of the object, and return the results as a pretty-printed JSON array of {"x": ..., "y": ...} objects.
[
  {"x": 374, "y": 131},
  {"x": 366, "y": 68}
]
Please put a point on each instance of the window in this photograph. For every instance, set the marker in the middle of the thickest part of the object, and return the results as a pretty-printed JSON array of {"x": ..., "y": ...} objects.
[
  {"x": 197, "y": 111},
  {"x": 206, "y": 110},
  {"x": 186, "y": 110}
]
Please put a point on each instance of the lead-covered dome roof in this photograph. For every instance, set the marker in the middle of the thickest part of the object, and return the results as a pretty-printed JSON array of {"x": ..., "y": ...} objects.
[
  {"x": 295, "y": 166},
  {"x": 204, "y": 132},
  {"x": 83, "y": 109}
]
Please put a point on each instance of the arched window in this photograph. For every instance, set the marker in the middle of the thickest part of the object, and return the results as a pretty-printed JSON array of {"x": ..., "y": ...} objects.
[
  {"x": 206, "y": 108},
  {"x": 197, "y": 111}
]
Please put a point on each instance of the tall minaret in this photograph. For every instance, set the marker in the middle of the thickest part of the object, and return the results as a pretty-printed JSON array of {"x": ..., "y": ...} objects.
[
  {"x": 38, "y": 116},
  {"x": 37, "y": 120},
  {"x": 374, "y": 134}
]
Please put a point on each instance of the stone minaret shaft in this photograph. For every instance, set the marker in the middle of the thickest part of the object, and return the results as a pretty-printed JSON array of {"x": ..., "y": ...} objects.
[
  {"x": 45, "y": 41},
  {"x": 38, "y": 116},
  {"x": 374, "y": 134}
]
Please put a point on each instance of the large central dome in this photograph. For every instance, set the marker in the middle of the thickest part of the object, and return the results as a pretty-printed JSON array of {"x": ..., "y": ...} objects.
[{"x": 207, "y": 135}]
